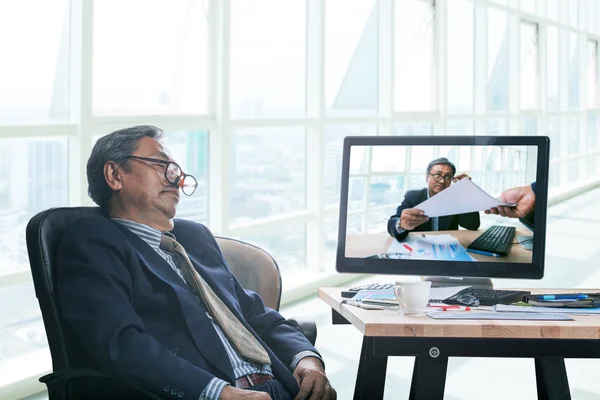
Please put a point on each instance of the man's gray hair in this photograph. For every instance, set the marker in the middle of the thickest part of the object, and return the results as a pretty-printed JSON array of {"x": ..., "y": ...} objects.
[
  {"x": 117, "y": 147},
  {"x": 443, "y": 161}
]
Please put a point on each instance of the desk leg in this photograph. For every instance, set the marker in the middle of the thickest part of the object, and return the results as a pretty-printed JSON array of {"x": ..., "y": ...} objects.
[
  {"x": 370, "y": 380},
  {"x": 429, "y": 378},
  {"x": 551, "y": 379}
]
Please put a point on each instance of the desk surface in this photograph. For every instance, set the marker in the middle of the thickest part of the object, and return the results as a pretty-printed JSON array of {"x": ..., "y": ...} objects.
[
  {"x": 392, "y": 324},
  {"x": 364, "y": 245}
]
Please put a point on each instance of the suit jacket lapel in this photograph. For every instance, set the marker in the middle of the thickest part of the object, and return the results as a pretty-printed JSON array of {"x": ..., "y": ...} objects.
[{"x": 199, "y": 325}]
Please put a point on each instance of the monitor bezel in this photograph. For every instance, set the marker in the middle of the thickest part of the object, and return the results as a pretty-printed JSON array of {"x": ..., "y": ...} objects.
[{"x": 482, "y": 269}]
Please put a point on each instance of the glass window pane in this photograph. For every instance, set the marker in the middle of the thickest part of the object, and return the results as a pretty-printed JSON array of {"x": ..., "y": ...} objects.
[
  {"x": 33, "y": 178},
  {"x": 34, "y": 83},
  {"x": 497, "y": 61},
  {"x": 351, "y": 57},
  {"x": 528, "y": 126},
  {"x": 268, "y": 167},
  {"x": 573, "y": 12},
  {"x": 267, "y": 58},
  {"x": 552, "y": 131},
  {"x": 497, "y": 126},
  {"x": 334, "y": 142},
  {"x": 150, "y": 57},
  {"x": 286, "y": 244},
  {"x": 416, "y": 128},
  {"x": 460, "y": 127},
  {"x": 528, "y": 6},
  {"x": 190, "y": 151},
  {"x": 552, "y": 9},
  {"x": 573, "y": 71},
  {"x": 414, "y": 64},
  {"x": 529, "y": 66},
  {"x": 420, "y": 156},
  {"x": 592, "y": 134},
  {"x": 573, "y": 135},
  {"x": 460, "y": 56},
  {"x": 552, "y": 63},
  {"x": 377, "y": 219},
  {"x": 24, "y": 339},
  {"x": 592, "y": 74}
]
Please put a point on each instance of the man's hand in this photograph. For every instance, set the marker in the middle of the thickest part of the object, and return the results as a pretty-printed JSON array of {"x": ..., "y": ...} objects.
[
  {"x": 523, "y": 196},
  {"x": 459, "y": 177},
  {"x": 411, "y": 218},
  {"x": 233, "y": 393},
  {"x": 312, "y": 380}
]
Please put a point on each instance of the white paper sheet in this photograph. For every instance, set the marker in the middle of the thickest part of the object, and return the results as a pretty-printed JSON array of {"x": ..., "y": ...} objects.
[
  {"x": 462, "y": 197},
  {"x": 429, "y": 247}
]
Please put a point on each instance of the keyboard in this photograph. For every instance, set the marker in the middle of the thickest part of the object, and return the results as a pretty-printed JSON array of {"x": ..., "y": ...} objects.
[
  {"x": 487, "y": 297},
  {"x": 497, "y": 239},
  {"x": 369, "y": 286}
]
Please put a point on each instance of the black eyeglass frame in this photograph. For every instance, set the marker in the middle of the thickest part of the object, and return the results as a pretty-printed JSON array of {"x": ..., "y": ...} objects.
[
  {"x": 441, "y": 177},
  {"x": 180, "y": 180}
]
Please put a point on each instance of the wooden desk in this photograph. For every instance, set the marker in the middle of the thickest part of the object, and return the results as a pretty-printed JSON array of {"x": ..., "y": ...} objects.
[
  {"x": 367, "y": 244},
  {"x": 388, "y": 333}
]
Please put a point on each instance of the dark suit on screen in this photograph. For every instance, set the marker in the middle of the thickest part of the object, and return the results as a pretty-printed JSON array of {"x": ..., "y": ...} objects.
[{"x": 446, "y": 223}]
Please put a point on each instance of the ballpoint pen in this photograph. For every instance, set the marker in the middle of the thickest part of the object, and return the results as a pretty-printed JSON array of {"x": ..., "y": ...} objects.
[
  {"x": 566, "y": 296},
  {"x": 363, "y": 305},
  {"x": 485, "y": 253}
]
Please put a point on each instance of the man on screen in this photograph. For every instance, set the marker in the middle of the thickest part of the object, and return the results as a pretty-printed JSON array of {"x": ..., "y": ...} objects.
[{"x": 440, "y": 174}]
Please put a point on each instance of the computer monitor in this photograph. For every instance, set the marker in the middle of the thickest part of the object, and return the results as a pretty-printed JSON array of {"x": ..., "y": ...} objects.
[{"x": 383, "y": 175}]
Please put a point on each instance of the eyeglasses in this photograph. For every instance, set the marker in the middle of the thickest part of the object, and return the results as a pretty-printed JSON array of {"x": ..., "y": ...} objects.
[
  {"x": 439, "y": 177},
  {"x": 467, "y": 300},
  {"x": 174, "y": 174}
]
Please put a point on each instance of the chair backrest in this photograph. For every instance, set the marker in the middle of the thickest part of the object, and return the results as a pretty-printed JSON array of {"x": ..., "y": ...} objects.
[
  {"x": 254, "y": 268},
  {"x": 43, "y": 234}
]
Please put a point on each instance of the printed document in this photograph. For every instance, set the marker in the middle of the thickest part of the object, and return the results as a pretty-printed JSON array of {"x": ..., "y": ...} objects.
[{"x": 462, "y": 197}]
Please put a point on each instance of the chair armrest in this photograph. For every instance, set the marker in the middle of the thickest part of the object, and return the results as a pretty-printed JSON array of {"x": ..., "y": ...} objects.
[
  {"x": 307, "y": 326},
  {"x": 57, "y": 382}
]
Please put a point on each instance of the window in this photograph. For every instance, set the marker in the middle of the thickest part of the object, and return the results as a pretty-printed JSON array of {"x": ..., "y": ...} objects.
[
  {"x": 592, "y": 74},
  {"x": 34, "y": 83},
  {"x": 351, "y": 57},
  {"x": 459, "y": 76},
  {"x": 268, "y": 167},
  {"x": 529, "y": 66},
  {"x": 497, "y": 62},
  {"x": 150, "y": 57},
  {"x": 268, "y": 58},
  {"x": 190, "y": 151},
  {"x": 552, "y": 64},
  {"x": 573, "y": 71},
  {"x": 415, "y": 65},
  {"x": 33, "y": 177}
]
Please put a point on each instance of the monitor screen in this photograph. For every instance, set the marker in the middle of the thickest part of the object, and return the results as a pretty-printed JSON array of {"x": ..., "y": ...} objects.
[{"x": 416, "y": 205}]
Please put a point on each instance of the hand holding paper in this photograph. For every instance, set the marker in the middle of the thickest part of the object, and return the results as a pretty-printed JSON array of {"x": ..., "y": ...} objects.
[{"x": 462, "y": 197}]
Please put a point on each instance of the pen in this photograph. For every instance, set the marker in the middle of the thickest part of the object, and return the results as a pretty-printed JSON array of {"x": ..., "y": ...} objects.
[
  {"x": 407, "y": 247},
  {"x": 485, "y": 253},
  {"x": 362, "y": 305},
  {"x": 562, "y": 296},
  {"x": 451, "y": 307}
]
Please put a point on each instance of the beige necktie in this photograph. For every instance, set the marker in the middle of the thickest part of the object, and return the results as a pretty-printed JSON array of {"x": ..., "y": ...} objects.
[{"x": 245, "y": 343}]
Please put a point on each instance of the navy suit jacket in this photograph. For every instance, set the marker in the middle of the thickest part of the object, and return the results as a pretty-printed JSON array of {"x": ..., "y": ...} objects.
[
  {"x": 137, "y": 320},
  {"x": 445, "y": 223}
]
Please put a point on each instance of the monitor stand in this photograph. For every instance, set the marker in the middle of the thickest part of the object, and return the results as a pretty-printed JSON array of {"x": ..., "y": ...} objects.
[{"x": 445, "y": 281}]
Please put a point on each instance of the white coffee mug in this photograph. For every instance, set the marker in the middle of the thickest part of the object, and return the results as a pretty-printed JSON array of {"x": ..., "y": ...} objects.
[{"x": 412, "y": 296}]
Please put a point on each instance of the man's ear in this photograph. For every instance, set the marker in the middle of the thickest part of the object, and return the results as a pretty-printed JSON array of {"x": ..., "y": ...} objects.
[{"x": 112, "y": 175}]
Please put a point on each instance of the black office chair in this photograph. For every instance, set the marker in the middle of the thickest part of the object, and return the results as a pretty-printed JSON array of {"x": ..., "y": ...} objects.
[{"x": 72, "y": 377}]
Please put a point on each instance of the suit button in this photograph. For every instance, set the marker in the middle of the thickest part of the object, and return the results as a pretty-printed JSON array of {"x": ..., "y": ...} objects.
[
  {"x": 167, "y": 388},
  {"x": 173, "y": 351},
  {"x": 181, "y": 394},
  {"x": 174, "y": 391}
]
